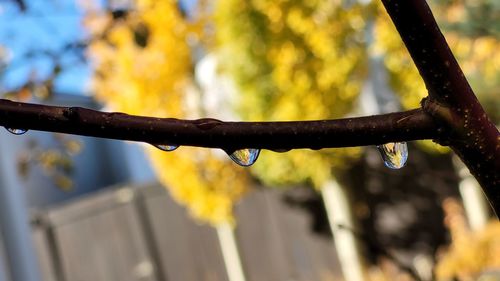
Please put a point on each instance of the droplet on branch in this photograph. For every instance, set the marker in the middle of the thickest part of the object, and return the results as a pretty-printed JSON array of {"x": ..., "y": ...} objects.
[
  {"x": 16, "y": 131},
  {"x": 394, "y": 154},
  {"x": 166, "y": 147},
  {"x": 245, "y": 157}
]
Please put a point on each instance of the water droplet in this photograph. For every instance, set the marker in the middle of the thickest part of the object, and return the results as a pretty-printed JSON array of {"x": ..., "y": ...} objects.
[
  {"x": 245, "y": 157},
  {"x": 16, "y": 131},
  {"x": 394, "y": 154},
  {"x": 166, "y": 147}
]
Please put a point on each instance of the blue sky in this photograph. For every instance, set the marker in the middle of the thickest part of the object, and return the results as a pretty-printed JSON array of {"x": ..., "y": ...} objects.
[{"x": 45, "y": 26}]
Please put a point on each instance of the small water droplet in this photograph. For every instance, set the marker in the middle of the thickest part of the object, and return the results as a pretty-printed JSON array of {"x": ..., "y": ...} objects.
[
  {"x": 394, "y": 154},
  {"x": 245, "y": 157},
  {"x": 166, "y": 147},
  {"x": 16, "y": 131}
]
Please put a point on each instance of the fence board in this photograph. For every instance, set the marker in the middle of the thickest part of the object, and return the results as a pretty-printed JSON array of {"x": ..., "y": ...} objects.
[
  {"x": 313, "y": 256},
  {"x": 187, "y": 251},
  {"x": 276, "y": 244},
  {"x": 142, "y": 234},
  {"x": 44, "y": 253},
  {"x": 100, "y": 238},
  {"x": 260, "y": 241}
]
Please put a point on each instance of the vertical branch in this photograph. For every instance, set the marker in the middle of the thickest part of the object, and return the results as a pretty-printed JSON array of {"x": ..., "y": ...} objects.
[{"x": 468, "y": 130}]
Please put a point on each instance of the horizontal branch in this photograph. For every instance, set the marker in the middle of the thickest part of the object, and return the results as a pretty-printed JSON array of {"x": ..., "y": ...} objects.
[{"x": 348, "y": 132}]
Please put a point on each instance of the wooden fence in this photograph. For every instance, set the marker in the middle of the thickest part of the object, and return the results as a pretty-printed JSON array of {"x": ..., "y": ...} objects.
[{"x": 137, "y": 234}]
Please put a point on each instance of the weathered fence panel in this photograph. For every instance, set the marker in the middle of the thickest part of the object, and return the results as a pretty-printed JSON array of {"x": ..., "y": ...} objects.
[
  {"x": 45, "y": 253},
  {"x": 186, "y": 250},
  {"x": 276, "y": 242},
  {"x": 101, "y": 238},
  {"x": 141, "y": 234}
]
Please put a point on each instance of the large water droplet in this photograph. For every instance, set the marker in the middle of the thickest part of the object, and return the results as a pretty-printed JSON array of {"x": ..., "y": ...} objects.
[
  {"x": 245, "y": 157},
  {"x": 394, "y": 154},
  {"x": 16, "y": 131},
  {"x": 166, "y": 147}
]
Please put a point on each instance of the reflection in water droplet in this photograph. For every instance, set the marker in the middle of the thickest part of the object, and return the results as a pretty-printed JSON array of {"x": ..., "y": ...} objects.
[
  {"x": 245, "y": 157},
  {"x": 16, "y": 131},
  {"x": 394, "y": 154},
  {"x": 166, "y": 147}
]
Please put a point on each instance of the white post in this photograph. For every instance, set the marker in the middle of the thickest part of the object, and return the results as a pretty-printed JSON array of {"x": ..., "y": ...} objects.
[
  {"x": 475, "y": 203},
  {"x": 230, "y": 252},
  {"x": 339, "y": 213}
]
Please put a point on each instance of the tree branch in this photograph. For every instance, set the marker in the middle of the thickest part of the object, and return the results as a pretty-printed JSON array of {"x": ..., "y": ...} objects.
[
  {"x": 280, "y": 136},
  {"x": 451, "y": 100},
  {"x": 451, "y": 114}
]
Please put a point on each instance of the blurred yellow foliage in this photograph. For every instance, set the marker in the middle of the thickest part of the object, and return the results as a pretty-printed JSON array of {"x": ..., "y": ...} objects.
[
  {"x": 150, "y": 78},
  {"x": 470, "y": 253},
  {"x": 475, "y": 54},
  {"x": 290, "y": 60},
  {"x": 203, "y": 180},
  {"x": 135, "y": 79},
  {"x": 294, "y": 60}
]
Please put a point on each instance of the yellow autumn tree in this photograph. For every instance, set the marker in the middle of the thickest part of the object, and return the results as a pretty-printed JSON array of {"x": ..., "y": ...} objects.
[
  {"x": 290, "y": 60},
  {"x": 470, "y": 253},
  {"x": 144, "y": 65},
  {"x": 294, "y": 60},
  {"x": 472, "y": 44}
]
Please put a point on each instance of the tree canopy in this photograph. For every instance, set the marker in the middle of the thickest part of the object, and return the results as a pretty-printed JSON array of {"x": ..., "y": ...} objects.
[
  {"x": 294, "y": 61},
  {"x": 289, "y": 61},
  {"x": 152, "y": 77}
]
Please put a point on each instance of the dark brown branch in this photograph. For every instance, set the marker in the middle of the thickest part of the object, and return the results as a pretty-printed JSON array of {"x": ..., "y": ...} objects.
[
  {"x": 451, "y": 100},
  {"x": 402, "y": 126}
]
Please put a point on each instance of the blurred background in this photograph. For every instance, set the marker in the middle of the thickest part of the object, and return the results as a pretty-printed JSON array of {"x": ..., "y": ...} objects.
[{"x": 81, "y": 208}]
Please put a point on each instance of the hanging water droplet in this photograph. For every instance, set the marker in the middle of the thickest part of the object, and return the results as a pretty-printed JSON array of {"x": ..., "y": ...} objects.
[
  {"x": 166, "y": 147},
  {"x": 16, "y": 131},
  {"x": 394, "y": 154},
  {"x": 245, "y": 157}
]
